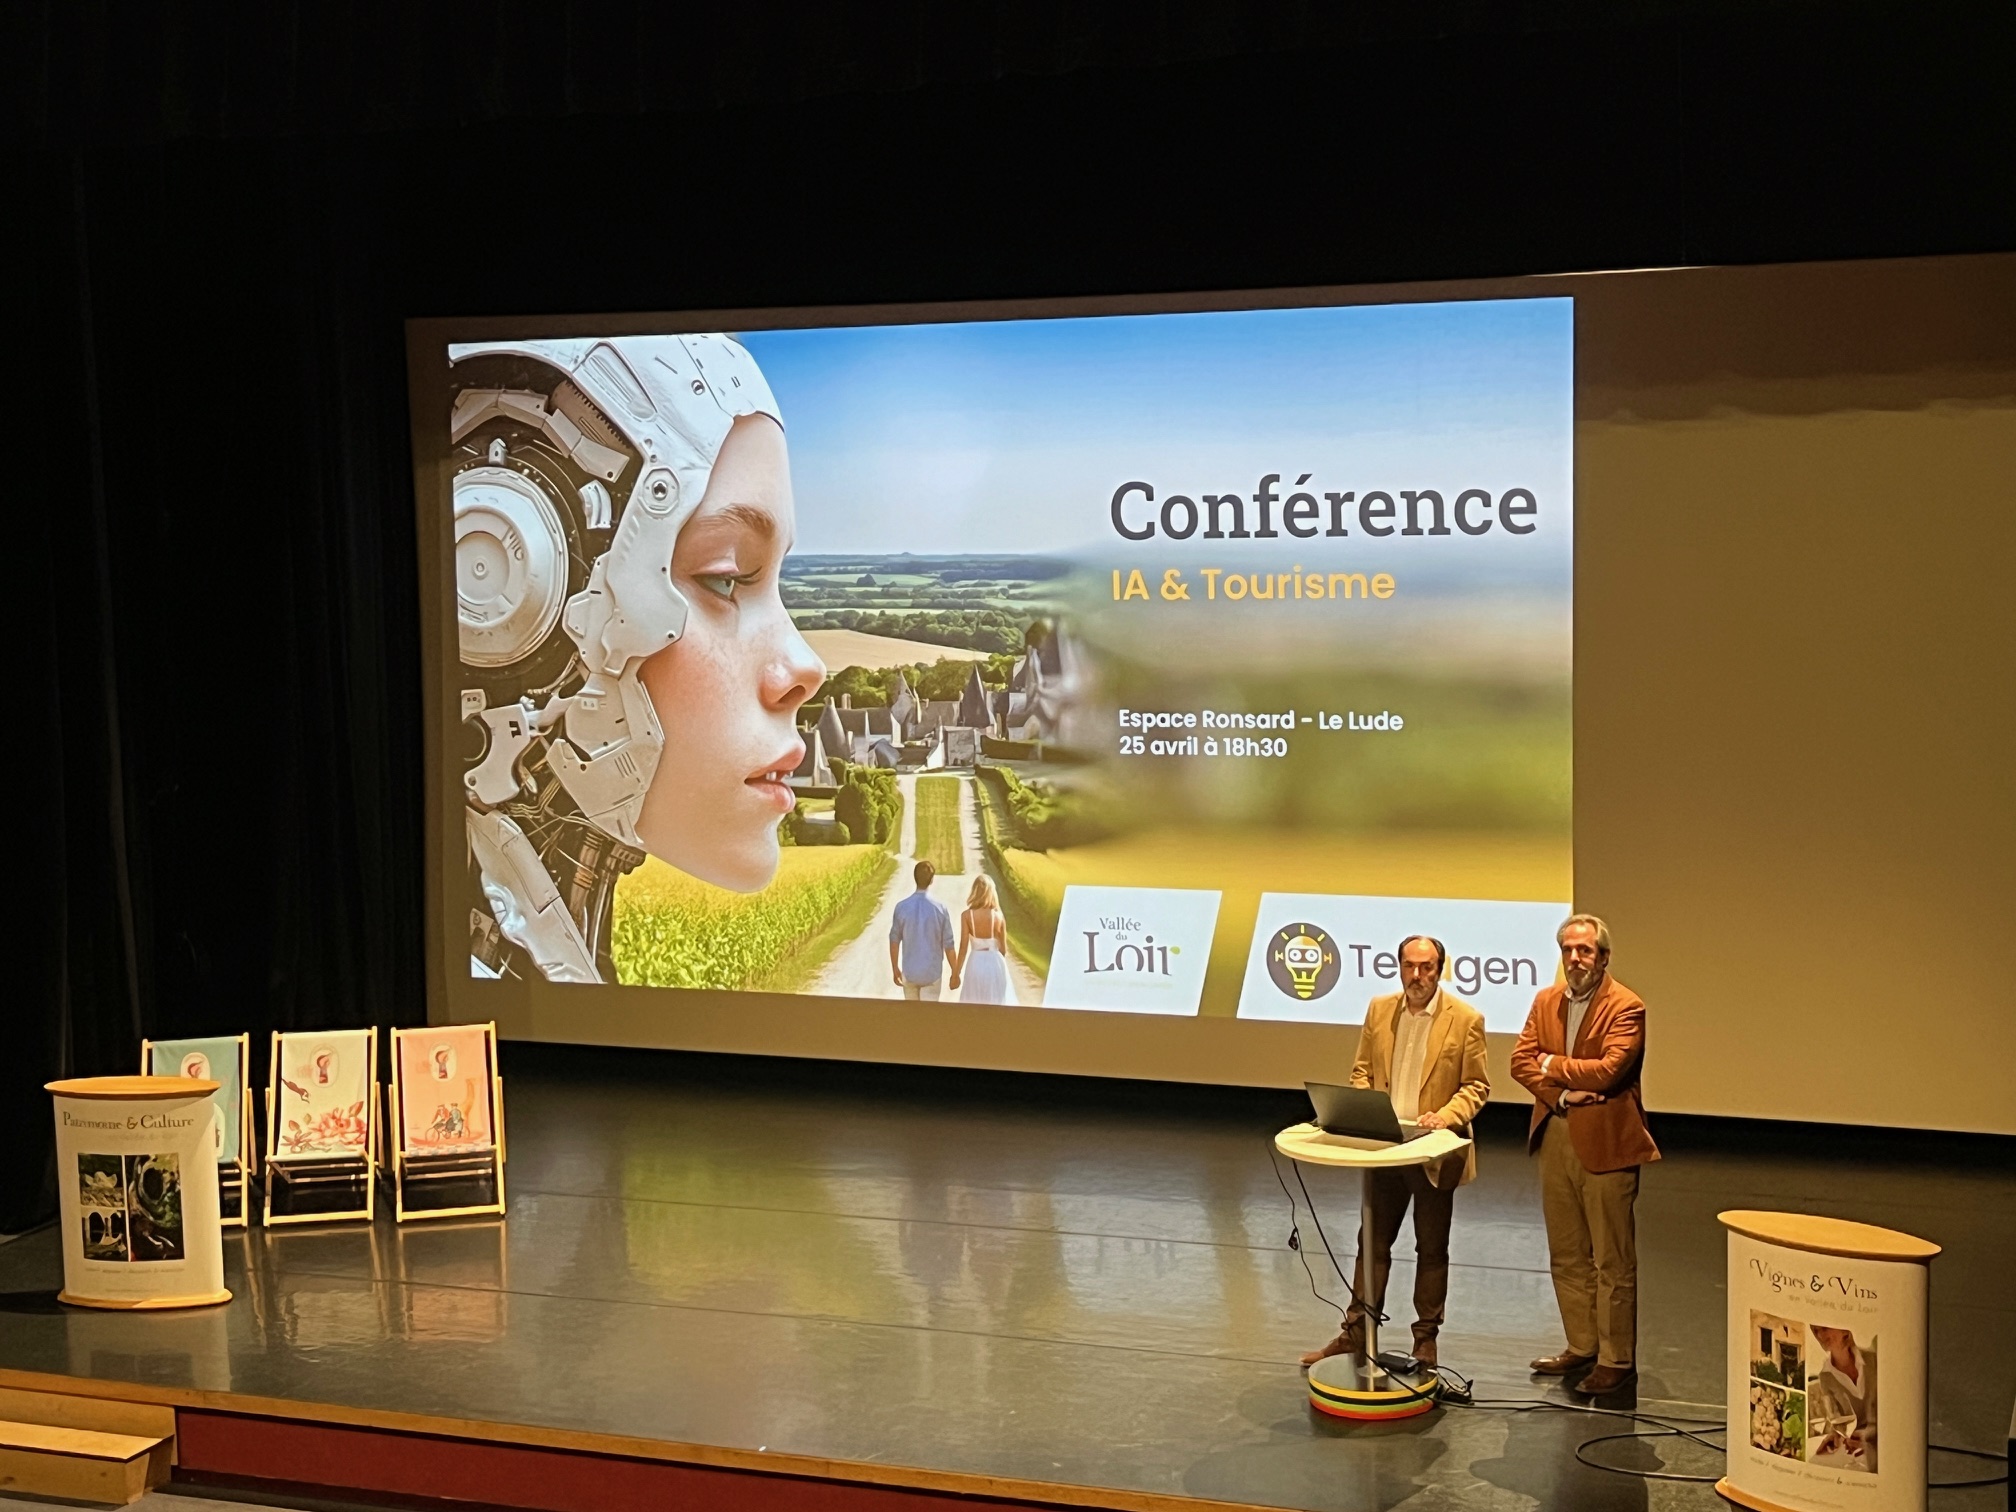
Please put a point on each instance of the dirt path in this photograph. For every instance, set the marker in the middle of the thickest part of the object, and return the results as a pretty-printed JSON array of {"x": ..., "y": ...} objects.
[{"x": 860, "y": 968}]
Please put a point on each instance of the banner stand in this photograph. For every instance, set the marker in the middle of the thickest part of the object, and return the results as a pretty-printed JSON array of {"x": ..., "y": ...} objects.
[
  {"x": 136, "y": 1164},
  {"x": 1827, "y": 1320}
]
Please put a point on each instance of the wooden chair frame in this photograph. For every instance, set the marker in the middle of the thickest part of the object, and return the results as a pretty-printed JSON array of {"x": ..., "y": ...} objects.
[
  {"x": 234, "y": 1178},
  {"x": 407, "y": 1167},
  {"x": 322, "y": 1171}
]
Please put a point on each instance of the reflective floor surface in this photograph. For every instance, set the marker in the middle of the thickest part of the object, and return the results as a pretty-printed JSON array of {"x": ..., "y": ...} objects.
[{"x": 1018, "y": 1277}]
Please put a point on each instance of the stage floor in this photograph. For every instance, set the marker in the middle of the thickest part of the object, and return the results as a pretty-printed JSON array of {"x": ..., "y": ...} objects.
[{"x": 1012, "y": 1282}]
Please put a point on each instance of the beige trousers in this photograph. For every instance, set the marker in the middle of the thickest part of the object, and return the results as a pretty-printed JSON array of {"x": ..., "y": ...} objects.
[{"x": 1592, "y": 1248}]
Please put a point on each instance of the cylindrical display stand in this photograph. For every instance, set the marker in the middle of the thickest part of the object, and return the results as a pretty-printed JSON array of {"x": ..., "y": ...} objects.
[
  {"x": 1827, "y": 1365},
  {"x": 136, "y": 1173}
]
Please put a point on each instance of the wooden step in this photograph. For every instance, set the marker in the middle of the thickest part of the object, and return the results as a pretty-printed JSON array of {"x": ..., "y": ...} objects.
[
  {"x": 82, "y": 1464},
  {"x": 58, "y": 1409}
]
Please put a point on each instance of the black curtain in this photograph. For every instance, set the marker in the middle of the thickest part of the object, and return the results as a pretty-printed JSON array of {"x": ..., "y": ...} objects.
[
  {"x": 220, "y": 217},
  {"x": 219, "y": 787}
]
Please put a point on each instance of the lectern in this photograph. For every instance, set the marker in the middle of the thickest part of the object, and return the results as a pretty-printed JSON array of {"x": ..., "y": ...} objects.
[
  {"x": 136, "y": 1170},
  {"x": 1827, "y": 1364},
  {"x": 1346, "y": 1385}
]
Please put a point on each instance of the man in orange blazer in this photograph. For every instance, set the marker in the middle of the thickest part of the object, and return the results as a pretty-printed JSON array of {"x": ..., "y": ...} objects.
[
  {"x": 1424, "y": 1048},
  {"x": 1580, "y": 1055}
]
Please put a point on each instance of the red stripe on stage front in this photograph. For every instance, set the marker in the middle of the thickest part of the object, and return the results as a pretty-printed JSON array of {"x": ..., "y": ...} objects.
[{"x": 337, "y": 1457}]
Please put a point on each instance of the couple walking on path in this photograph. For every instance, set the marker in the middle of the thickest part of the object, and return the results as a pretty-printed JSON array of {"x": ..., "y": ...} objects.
[{"x": 921, "y": 944}]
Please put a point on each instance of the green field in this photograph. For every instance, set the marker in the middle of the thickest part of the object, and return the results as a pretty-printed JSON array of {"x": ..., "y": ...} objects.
[
  {"x": 671, "y": 930},
  {"x": 938, "y": 837},
  {"x": 975, "y": 603}
]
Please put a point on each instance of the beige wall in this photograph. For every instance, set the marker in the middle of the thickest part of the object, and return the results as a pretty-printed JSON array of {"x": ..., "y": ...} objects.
[
  {"x": 1795, "y": 666},
  {"x": 1796, "y": 686}
]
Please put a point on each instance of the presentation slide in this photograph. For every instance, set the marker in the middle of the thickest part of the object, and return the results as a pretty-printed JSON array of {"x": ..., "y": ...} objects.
[{"x": 1175, "y": 664}]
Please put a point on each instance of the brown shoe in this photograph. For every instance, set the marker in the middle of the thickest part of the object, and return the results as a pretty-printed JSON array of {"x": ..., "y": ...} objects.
[
  {"x": 1424, "y": 1352},
  {"x": 1565, "y": 1363},
  {"x": 1348, "y": 1341},
  {"x": 1603, "y": 1380}
]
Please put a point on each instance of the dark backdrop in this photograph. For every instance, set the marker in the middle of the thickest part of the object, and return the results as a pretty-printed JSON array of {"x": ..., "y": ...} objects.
[{"x": 219, "y": 218}]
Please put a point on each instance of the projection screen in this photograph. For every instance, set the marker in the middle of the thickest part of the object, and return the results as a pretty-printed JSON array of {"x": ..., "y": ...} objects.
[{"x": 1204, "y": 648}]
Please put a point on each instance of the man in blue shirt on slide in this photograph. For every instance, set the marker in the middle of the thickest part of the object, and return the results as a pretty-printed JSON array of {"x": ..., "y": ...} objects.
[{"x": 920, "y": 936}]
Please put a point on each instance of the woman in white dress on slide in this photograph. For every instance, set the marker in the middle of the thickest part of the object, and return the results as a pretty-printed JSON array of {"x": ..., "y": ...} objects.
[{"x": 983, "y": 948}]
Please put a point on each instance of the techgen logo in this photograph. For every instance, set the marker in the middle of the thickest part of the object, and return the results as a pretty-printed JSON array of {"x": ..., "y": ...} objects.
[
  {"x": 1302, "y": 960},
  {"x": 1320, "y": 958},
  {"x": 1131, "y": 949}
]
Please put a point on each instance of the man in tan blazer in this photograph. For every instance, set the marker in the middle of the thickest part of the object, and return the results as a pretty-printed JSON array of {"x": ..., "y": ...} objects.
[
  {"x": 1580, "y": 1056},
  {"x": 1424, "y": 1048}
]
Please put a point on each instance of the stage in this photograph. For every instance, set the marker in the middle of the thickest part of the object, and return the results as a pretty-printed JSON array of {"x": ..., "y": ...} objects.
[{"x": 902, "y": 1287}]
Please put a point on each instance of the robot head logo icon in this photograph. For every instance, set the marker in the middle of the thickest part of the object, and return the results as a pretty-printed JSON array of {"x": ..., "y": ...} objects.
[{"x": 1302, "y": 960}]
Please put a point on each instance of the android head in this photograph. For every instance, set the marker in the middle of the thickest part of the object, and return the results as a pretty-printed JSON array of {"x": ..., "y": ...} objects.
[{"x": 576, "y": 467}]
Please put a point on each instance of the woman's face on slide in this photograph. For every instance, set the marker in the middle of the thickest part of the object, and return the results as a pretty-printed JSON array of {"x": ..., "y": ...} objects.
[{"x": 728, "y": 690}]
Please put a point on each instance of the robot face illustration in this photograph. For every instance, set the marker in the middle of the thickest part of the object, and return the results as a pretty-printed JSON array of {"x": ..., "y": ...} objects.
[
  {"x": 1304, "y": 959},
  {"x": 576, "y": 464}
]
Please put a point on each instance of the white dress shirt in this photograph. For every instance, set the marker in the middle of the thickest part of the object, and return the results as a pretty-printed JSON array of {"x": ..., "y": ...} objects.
[{"x": 1410, "y": 1050}]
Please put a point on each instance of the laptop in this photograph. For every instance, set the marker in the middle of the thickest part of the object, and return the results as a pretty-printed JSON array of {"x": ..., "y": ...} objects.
[{"x": 1358, "y": 1113}]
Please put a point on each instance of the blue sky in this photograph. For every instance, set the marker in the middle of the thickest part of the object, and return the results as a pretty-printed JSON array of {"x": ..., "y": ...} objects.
[{"x": 1011, "y": 436}]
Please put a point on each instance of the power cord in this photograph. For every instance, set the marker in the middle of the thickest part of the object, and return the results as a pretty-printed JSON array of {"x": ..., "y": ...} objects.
[
  {"x": 1458, "y": 1390},
  {"x": 1462, "y": 1395},
  {"x": 1295, "y": 1238}
]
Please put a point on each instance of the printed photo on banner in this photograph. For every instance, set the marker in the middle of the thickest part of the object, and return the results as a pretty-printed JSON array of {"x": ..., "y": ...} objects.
[
  {"x": 1778, "y": 1386},
  {"x": 322, "y": 1090},
  {"x": 444, "y": 1089},
  {"x": 1841, "y": 1399},
  {"x": 101, "y": 1196},
  {"x": 131, "y": 1207},
  {"x": 1247, "y": 601}
]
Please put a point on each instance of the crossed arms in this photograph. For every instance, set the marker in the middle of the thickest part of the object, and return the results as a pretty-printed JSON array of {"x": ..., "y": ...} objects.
[{"x": 1547, "y": 1076}]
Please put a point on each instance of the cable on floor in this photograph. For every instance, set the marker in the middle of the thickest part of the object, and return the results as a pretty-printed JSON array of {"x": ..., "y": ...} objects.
[{"x": 1670, "y": 1427}]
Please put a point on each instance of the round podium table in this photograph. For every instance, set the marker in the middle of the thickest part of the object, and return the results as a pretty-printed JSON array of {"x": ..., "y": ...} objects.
[
  {"x": 136, "y": 1175},
  {"x": 1358, "y": 1386},
  {"x": 1825, "y": 1316}
]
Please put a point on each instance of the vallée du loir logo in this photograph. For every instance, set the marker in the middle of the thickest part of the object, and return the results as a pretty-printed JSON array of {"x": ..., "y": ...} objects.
[
  {"x": 1131, "y": 949},
  {"x": 1302, "y": 961},
  {"x": 1125, "y": 947}
]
